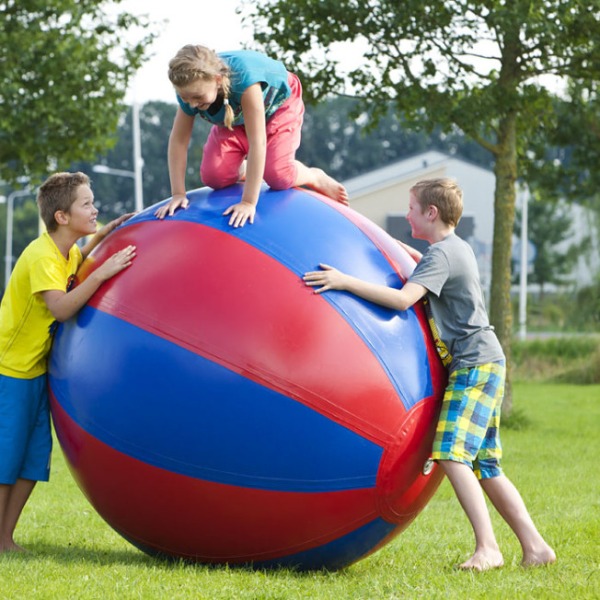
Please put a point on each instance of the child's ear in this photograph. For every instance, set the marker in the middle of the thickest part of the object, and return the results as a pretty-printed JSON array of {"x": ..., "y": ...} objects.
[{"x": 61, "y": 217}]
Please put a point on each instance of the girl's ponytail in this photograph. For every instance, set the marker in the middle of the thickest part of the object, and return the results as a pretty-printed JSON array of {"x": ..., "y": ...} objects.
[{"x": 229, "y": 116}]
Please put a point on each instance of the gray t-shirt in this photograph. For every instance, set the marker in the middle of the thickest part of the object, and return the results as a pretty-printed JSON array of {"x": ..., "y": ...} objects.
[{"x": 455, "y": 305}]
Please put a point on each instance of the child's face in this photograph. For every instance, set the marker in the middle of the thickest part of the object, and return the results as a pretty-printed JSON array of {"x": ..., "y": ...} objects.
[
  {"x": 417, "y": 218},
  {"x": 200, "y": 94},
  {"x": 82, "y": 214}
]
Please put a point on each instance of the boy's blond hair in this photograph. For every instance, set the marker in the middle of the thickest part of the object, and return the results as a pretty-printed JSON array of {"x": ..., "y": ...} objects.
[
  {"x": 444, "y": 194},
  {"x": 193, "y": 63},
  {"x": 58, "y": 192}
]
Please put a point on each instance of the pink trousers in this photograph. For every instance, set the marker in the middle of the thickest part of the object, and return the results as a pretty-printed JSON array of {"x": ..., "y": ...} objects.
[{"x": 225, "y": 150}]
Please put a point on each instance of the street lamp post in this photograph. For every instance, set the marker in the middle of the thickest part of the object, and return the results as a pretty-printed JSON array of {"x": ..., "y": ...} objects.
[
  {"x": 8, "y": 257},
  {"x": 138, "y": 161},
  {"x": 139, "y": 201}
]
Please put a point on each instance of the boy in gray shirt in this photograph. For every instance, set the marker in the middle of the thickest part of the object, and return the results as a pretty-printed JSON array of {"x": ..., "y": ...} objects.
[{"x": 467, "y": 441}]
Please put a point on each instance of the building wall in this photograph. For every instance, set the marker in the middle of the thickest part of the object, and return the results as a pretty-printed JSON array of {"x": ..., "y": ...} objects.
[
  {"x": 385, "y": 192},
  {"x": 379, "y": 203}
]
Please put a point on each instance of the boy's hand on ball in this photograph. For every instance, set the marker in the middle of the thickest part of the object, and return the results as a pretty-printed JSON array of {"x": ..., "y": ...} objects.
[
  {"x": 328, "y": 278},
  {"x": 117, "y": 262}
]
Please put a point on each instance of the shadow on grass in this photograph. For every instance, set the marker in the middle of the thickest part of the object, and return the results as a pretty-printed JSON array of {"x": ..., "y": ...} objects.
[
  {"x": 71, "y": 555},
  {"x": 517, "y": 420},
  {"x": 80, "y": 555}
]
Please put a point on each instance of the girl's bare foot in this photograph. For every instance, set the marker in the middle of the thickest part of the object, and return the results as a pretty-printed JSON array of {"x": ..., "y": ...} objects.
[
  {"x": 484, "y": 560},
  {"x": 537, "y": 558},
  {"x": 328, "y": 186},
  {"x": 242, "y": 171}
]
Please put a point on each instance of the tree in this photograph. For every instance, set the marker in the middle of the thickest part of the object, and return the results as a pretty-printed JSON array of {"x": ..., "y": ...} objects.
[
  {"x": 115, "y": 195},
  {"x": 474, "y": 65},
  {"x": 344, "y": 151},
  {"x": 549, "y": 226},
  {"x": 565, "y": 159},
  {"x": 339, "y": 138},
  {"x": 65, "y": 69}
]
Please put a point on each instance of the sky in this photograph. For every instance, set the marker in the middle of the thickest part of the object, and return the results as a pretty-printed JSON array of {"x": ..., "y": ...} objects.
[{"x": 217, "y": 27}]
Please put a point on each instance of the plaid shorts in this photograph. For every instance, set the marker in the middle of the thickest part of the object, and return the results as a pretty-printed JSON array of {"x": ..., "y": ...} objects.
[{"x": 468, "y": 427}]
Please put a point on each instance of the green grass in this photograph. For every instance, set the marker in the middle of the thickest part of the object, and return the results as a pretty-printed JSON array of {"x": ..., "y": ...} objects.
[{"x": 552, "y": 460}]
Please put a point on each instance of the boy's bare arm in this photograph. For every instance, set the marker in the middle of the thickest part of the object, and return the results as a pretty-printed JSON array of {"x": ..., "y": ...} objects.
[
  {"x": 412, "y": 252},
  {"x": 329, "y": 278},
  {"x": 64, "y": 305}
]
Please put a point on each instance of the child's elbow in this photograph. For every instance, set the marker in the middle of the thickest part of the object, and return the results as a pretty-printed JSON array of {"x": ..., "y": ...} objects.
[
  {"x": 59, "y": 316},
  {"x": 403, "y": 305}
]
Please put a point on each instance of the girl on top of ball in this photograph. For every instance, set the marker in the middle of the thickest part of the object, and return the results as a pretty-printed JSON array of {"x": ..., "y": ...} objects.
[{"x": 256, "y": 108}]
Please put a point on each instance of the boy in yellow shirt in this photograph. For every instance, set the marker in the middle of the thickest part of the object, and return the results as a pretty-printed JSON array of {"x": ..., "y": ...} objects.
[{"x": 36, "y": 297}]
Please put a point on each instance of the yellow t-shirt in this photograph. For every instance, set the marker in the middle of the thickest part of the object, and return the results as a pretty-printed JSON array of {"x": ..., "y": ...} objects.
[{"x": 25, "y": 321}]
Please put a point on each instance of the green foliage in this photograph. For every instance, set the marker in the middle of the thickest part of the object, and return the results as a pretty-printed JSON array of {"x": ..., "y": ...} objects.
[
  {"x": 477, "y": 66},
  {"x": 565, "y": 157},
  {"x": 585, "y": 314},
  {"x": 550, "y": 224},
  {"x": 333, "y": 138},
  {"x": 114, "y": 195},
  {"x": 341, "y": 139},
  {"x": 566, "y": 311},
  {"x": 557, "y": 347},
  {"x": 584, "y": 372},
  {"x": 74, "y": 554},
  {"x": 65, "y": 69},
  {"x": 566, "y": 359}
]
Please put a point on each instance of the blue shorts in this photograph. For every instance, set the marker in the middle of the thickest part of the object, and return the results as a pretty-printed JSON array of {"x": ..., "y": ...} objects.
[
  {"x": 25, "y": 435},
  {"x": 468, "y": 427}
]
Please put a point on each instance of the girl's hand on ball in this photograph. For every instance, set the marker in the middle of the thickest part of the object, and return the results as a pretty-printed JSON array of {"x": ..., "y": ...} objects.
[{"x": 241, "y": 213}]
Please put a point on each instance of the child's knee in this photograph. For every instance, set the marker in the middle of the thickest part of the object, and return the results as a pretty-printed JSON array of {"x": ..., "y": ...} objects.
[
  {"x": 280, "y": 178},
  {"x": 216, "y": 179}
]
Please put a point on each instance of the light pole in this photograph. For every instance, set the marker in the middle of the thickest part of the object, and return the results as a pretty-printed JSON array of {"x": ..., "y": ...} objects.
[
  {"x": 8, "y": 257},
  {"x": 139, "y": 201},
  {"x": 138, "y": 161},
  {"x": 524, "y": 265}
]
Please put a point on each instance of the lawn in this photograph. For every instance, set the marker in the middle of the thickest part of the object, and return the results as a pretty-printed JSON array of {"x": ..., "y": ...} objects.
[{"x": 552, "y": 460}]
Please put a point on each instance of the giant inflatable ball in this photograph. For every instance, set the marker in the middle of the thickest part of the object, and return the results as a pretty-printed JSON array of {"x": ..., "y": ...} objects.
[{"x": 213, "y": 408}]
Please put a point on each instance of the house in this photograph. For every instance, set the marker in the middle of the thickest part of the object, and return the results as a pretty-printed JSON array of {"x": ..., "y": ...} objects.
[{"x": 382, "y": 196}]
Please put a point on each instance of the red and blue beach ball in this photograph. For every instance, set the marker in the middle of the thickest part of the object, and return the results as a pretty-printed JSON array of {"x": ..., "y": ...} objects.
[{"x": 213, "y": 408}]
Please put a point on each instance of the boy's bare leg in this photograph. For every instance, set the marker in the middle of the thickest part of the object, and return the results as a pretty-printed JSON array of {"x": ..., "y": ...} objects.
[
  {"x": 487, "y": 554},
  {"x": 318, "y": 180},
  {"x": 508, "y": 502},
  {"x": 12, "y": 500}
]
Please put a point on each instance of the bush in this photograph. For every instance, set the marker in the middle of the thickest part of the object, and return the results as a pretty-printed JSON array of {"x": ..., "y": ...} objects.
[
  {"x": 565, "y": 311},
  {"x": 583, "y": 374},
  {"x": 567, "y": 359}
]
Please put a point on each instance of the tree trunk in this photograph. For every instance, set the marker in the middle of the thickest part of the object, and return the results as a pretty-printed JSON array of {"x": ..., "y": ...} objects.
[{"x": 504, "y": 217}]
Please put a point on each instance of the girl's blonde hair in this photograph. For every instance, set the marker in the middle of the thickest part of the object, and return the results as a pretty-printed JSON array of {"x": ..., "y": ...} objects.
[{"x": 193, "y": 63}]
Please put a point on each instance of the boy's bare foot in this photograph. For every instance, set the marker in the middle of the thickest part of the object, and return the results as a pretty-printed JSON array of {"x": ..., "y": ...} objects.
[
  {"x": 538, "y": 558},
  {"x": 11, "y": 547},
  {"x": 484, "y": 560},
  {"x": 328, "y": 186}
]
